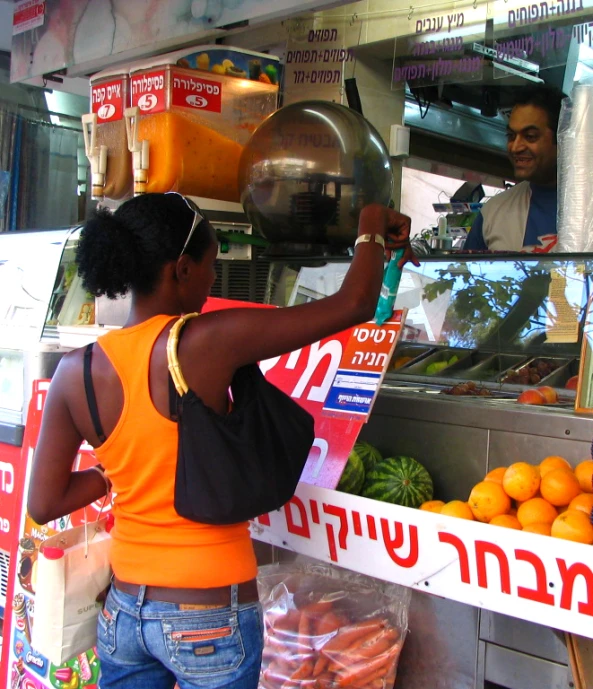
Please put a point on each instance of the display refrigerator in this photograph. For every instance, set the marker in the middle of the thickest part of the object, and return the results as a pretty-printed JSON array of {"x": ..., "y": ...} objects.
[
  {"x": 481, "y": 333},
  {"x": 28, "y": 267},
  {"x": 486, "y": 320},
  {"x": 45, "y": 312}
]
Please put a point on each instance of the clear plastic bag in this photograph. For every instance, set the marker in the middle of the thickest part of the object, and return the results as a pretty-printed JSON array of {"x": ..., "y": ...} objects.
[{"x": 328, "y": 628}]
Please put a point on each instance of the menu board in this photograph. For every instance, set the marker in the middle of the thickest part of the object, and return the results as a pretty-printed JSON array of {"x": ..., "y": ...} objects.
[
  {"x": 440, "y": 47},
  {"x": 319, "y": 57}
]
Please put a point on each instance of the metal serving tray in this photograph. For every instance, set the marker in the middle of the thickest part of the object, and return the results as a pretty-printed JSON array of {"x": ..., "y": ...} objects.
[
  {"x": 415, "y": 351},
  {"x": 559, "y": 377},
  {"x": 492, "y": 366},
  {"x": 466, "y": 365},
  {"x": 419, "y": 367},
  {"x": 560, "y": 362}
]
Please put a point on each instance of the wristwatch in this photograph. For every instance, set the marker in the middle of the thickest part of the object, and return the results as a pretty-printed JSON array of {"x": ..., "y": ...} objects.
[{"x": 370, "y": 238}]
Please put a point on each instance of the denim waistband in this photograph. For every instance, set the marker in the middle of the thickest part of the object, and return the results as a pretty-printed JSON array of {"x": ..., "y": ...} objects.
[{"x": 143, "y": 607}]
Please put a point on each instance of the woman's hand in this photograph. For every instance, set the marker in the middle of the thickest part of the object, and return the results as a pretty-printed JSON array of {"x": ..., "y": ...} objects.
[{"x": 393, "y": 226}]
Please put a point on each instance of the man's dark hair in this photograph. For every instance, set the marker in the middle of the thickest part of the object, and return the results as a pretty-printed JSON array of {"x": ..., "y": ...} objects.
[{"x": 545, "y": 97}]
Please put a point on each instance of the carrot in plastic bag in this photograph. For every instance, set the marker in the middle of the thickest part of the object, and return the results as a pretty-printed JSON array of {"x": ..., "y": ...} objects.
[
  {"x": 304, "y": 672},
  {"x": 369, "y": 646},
  {"x": 279, "y": 668},
  {"x": 379, "y": 677},
  {"x": 328, "y": 623},
  {"x": 318, "y": 608},
  {"x": 359, "y": 671},
  {"x": 273, "y": 677},
  {"x": 348, "y": 635},
  {"x": 321, "y": 665},
  {"x": 286, "y": 646},
  {"x": 306, "y": 625},
  {"x": 301, "y": 677},
  {"x": 377, "y": 684},
  {"x": 287, "y": 625},
  {"x": 372, "y": 646},
  {"x": 325, "y": 681}
]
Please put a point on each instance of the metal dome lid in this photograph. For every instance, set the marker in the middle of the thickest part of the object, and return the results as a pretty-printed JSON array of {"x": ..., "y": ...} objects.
[{"x": 306, "y": 173}]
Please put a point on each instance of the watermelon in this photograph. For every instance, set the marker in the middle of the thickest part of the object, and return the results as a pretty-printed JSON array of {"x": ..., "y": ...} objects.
[
  {"x": 352, "y": 479},
  {"x": 370, "y": 455},
  {"x": 399, "y": 480}
]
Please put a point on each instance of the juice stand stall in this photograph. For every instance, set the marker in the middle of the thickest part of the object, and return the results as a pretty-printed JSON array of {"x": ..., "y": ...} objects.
[{"x": 501, "y": 591}]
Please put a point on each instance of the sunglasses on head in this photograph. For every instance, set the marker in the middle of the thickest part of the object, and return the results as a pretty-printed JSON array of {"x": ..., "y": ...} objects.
[{"x": 198, "y": 217}]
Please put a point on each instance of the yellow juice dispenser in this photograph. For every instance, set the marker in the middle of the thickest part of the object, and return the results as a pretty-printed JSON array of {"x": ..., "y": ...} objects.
[
  {"x": 105, "y": 137},
  {"x": 191, "y": 114}
]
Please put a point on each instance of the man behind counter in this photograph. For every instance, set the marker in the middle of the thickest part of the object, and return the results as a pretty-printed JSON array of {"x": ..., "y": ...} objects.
[{"x": 523, "y": 218}]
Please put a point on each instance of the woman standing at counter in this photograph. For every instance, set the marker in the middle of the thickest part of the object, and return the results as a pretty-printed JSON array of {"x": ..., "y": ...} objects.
[{"x": 183, "y": 606}]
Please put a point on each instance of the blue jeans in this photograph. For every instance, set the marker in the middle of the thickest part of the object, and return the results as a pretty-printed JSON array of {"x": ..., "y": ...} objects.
[{"x": 145, "y": 644}]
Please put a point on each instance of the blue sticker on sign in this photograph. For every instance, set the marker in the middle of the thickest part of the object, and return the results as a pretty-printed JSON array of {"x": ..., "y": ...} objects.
[{"x": 352, "y": 392}]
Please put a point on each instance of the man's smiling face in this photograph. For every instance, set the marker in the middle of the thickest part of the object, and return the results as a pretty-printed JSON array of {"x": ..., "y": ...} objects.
[{"x": 532, "y": 145}]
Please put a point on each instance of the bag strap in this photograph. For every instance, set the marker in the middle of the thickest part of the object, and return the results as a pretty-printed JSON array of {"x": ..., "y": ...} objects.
[
  {"x": 172, "y": 360},
  {"x": 90, "y": 392},
  {"x": 173, "y": 397}
]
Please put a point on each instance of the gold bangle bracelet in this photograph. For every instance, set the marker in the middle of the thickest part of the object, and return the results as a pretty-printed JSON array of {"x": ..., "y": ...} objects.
[{"x": 377, "y": 238}]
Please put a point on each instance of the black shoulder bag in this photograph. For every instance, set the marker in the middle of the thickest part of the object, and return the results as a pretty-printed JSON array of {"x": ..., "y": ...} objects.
[{"x": 235, "y": 467}]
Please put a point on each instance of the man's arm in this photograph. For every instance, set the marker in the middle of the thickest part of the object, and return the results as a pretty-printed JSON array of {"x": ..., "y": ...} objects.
[{"x": 475, "y": 239}]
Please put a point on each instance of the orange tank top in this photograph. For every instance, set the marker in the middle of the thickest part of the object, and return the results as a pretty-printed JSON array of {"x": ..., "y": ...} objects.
[{"x": 152, "y": 544}]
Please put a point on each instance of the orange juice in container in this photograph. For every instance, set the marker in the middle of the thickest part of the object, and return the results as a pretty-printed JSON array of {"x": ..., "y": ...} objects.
[
  {"x": 192, "y": 112},
  {"x": 105, "y": 135}
]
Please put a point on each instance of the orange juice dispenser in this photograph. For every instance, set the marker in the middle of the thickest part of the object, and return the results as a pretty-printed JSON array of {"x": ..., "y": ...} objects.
[
  {"x": 192, "y": 113},
  {"x": 105, "y": 135}
]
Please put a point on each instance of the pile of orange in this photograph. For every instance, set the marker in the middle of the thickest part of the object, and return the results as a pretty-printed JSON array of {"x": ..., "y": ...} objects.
[{"x": 550, "y": 498}]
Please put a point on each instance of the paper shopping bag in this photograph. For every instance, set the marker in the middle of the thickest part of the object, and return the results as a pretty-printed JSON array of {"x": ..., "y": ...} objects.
[{"x": 73, "y": 569}]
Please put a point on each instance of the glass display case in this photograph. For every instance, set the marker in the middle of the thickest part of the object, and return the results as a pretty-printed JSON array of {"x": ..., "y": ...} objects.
[
  {"x": 69, "y": 304},
  {"x": 28, "y": 265},
  {"x": 501, "y": 324}
]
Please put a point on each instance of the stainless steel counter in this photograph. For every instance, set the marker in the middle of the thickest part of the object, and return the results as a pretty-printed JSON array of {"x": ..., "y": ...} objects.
[{"x": 460, "y": 439}]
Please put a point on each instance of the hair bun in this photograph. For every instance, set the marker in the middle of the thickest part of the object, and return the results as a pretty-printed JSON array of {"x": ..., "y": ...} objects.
[{"x": 107, "y": 255}]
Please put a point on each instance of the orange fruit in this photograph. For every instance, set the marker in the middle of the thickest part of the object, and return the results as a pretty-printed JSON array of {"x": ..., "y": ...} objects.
[
  {"x": 457, "y": 508},
  {"x": 432, "y": 505},
  {"x": 495, "y": 475},
  {"x": 583, "y": 502},
  {"x": 506, "y": 520},
  {"x": 553, "y": 462},
  {"x": 536, "y": 510},
  {"x": 520, "y": 502},
  {"x": 573, "y": 525},
  {"x": 584, "y": 474},
  {"x": 513, "y": 511},
  {"x": 487, "y": 500},
  {"x": 560, "y": 486},
  {"x": 521, "y": 481},
  {"x": 542, "y": 528}
]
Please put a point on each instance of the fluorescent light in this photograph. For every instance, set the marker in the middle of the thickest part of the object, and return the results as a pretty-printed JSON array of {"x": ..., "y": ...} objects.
[{"x": 52, "y": 104}]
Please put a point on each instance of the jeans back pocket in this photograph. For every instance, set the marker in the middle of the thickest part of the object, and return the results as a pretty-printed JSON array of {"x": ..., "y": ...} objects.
[
  {"x": 106, "y": 627},
  {"x": 204, "y": 643}
]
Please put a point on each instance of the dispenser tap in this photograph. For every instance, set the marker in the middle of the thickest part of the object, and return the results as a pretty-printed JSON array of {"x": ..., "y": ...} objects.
[
  {"x": 138, "y": 149},
  {"x": 97, "y": 155}
]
